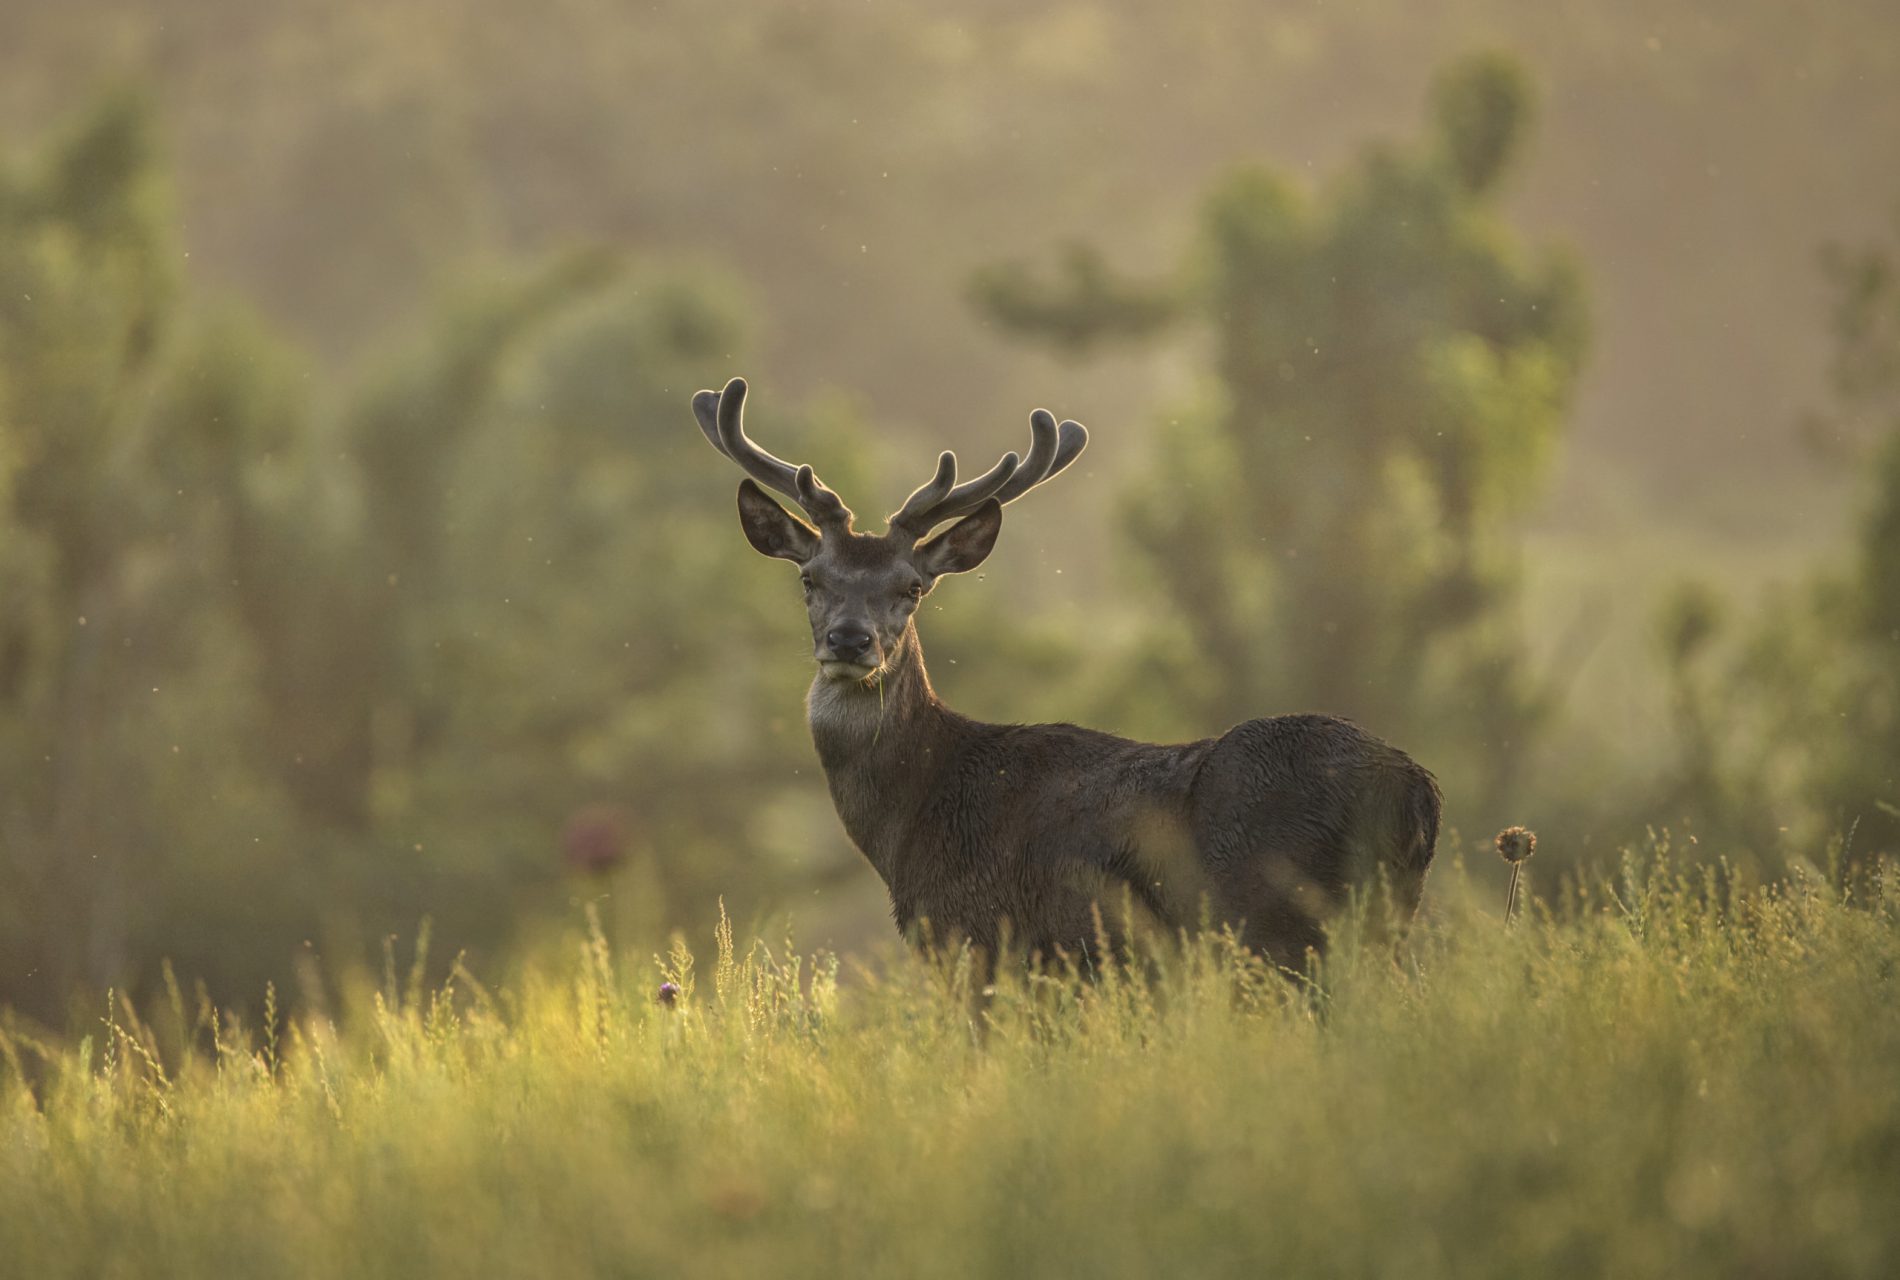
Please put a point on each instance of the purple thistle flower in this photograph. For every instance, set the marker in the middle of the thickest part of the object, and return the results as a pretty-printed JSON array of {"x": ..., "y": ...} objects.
[{"x": 596, "y": 838}]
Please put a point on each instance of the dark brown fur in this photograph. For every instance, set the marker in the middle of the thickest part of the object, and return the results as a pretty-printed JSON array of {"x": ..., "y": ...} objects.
[{"x": 972, "y": 824}]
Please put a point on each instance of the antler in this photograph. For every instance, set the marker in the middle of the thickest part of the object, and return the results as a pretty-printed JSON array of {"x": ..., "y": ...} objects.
[
  {"x": 720, "y": 415},
  {"x": 1052, "y": 447}
]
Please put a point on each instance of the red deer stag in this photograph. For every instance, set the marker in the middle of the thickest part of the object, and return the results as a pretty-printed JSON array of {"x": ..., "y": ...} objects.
[{"x": 1005, "y": 832}]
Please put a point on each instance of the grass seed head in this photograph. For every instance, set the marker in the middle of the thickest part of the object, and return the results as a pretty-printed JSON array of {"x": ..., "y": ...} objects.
[{"x": 1516, "y": 844}]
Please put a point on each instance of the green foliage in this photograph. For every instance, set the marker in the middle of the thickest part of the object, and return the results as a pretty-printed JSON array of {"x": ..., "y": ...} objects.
[
  {"x": 1665, "y": 1074},
  {"x": 90, "y": 632},
  {"x": 287, "y": 664},
  {"x": 1793, "y": 724},
  {"x": 1086, "y": 303},
  {"x": 1481, "y": 109},
  {"x": 1334, "y": 525}
]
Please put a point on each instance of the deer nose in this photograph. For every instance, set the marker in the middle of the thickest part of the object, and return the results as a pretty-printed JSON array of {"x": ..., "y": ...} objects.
[{"x": 847, "y": 643}]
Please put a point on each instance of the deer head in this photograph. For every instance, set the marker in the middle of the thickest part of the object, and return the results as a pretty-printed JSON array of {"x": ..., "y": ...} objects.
[{"x": 861, "y": 589}]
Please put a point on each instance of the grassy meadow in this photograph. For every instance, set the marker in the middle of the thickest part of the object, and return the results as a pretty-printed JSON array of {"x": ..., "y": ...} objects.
[
  {"x": 1662, "y": 1073},
  {"x": 1520, "y": 382}
]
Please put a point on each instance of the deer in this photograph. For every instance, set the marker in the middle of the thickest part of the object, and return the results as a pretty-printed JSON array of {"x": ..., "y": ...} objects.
[{"x": 1051, "y": 837}]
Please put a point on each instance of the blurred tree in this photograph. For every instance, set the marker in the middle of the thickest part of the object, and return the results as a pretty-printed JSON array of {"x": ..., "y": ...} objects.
[
  {"x": 1809, "y": 738},
  {"x": 555, "y": 565},
  {"x": 1333, "y": 527},
  {"x": 88, "y": 630},
  {"x": 1087, "y": 303},
  {"x": 369, "y": 207},
  {"x": 282, "y": 662},
  {"x": 484, "y": 602}
]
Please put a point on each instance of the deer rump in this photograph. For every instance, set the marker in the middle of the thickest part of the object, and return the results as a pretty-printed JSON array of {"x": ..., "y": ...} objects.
[{"x": 1054, "y": 838}]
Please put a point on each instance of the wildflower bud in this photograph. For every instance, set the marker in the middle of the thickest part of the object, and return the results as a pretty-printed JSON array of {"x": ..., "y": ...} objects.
[
  {"x": 668, "y": 994},
  {"x": 1516, "y": 844}
]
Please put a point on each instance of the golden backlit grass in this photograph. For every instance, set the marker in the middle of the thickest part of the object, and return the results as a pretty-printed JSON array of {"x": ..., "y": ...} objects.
[{"x": 1657, "y": 1075}]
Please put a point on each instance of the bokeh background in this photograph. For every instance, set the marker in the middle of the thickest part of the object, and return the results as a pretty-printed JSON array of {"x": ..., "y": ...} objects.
[{"x": 1521, "y": 380}]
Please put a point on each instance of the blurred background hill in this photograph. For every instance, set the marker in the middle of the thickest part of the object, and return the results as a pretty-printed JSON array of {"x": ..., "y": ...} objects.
[{"x": 360, "y": 561}]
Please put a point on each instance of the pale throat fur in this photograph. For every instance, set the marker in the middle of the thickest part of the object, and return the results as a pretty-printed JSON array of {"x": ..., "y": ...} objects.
[{"x": 880, "y": 740}]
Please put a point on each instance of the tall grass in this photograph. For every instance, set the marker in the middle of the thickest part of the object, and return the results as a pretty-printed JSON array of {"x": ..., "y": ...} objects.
[{"x": 1661, "y": 1074}]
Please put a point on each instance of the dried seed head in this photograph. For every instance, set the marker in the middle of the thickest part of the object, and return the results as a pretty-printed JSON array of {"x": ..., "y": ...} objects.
[{"x": 1516, "y": 844}]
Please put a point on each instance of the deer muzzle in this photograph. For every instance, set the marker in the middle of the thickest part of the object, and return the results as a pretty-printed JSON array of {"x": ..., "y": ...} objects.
[{"x": 849, "y": 652}]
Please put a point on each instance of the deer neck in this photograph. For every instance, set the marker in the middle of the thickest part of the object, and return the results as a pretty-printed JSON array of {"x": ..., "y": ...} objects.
[{"x": 882, "y": 742}]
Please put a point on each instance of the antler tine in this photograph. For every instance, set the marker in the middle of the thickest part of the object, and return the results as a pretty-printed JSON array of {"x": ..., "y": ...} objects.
[
  {"x": 972, "y": 494},
  {"x": 1055, "y": 446},
  {"x": 773, "y": 473},
  {"x": 820, "y": 503},
  {"x": 706, "y": 414},
  {"x": 943, "y": 499},
  {"x": 928, "y": 495},
  {"x": 721, "y": 415},
  {"x": 1043, "y": 438},
  {"x": 1074, "y": 439}
]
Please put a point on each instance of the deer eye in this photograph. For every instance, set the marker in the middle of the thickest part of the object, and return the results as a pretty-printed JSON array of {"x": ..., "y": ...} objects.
[
  {"x": 915, "y": 591},
  {"x": 804, "y": 581}
]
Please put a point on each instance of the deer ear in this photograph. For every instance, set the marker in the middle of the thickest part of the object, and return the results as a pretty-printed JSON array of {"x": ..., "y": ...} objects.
[
  {"x": 964, "y": 545},
  {"x": 771, "y": 529}
]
